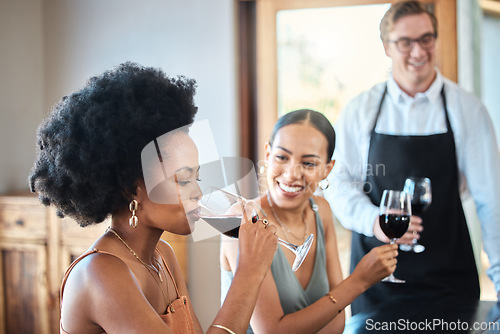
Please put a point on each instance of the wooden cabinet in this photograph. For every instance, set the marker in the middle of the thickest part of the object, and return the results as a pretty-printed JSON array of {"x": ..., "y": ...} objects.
[{"x": 36, "y": 247}]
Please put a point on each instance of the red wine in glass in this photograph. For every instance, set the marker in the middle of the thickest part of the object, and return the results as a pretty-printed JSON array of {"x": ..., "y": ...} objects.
[
  {"x": 394, "y": 226},
  {"x": 419, "y": 207},
  {"x": 419, "y": 189},
  {"x": 223, "y": 210},
  {"x": 394, "y": 219},
  {"x": 227, "y": 225}
]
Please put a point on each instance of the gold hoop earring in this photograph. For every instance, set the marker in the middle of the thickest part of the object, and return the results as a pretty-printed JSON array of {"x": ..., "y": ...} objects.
[
  {"x": 133, "y": 208},
  {"x": 324, "y": 184}
]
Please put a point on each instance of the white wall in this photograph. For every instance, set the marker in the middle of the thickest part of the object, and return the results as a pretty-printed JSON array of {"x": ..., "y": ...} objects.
[
  {"x": 21, "y": 89},
  {"x": 194, "y": 38},
  {"x": 49, "y": 48}
]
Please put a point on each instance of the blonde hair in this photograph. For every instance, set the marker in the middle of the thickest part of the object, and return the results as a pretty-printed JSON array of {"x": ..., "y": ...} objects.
[{"x": 402, "y": 9}]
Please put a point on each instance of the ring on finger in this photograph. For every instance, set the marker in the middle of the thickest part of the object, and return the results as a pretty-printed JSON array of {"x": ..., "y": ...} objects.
[{"x": 265, "y": 222}]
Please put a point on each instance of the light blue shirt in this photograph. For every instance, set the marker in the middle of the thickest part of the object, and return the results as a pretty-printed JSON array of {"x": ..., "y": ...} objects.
[{"x": 478, "y": 156}]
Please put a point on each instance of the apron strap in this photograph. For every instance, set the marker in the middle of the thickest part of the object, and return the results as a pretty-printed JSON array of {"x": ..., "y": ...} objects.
[
  {"x": 448, "y": 124},
  {"x": 443, "y": 97},
  {"x": 379, "y": 108}
]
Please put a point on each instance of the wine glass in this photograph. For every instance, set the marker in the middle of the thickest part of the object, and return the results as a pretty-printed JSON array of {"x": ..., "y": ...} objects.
[
  {"x": 394, "y": 219},
  {"x": 419, "y": 189},
  {"x": 223, "y": 210}
]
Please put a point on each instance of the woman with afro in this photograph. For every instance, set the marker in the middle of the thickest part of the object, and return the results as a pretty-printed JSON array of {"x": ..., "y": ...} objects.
[{"x": 89, "y": 167}]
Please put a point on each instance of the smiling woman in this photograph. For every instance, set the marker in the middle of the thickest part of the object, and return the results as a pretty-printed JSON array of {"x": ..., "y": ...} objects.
[{"x": 312, "y": 298}]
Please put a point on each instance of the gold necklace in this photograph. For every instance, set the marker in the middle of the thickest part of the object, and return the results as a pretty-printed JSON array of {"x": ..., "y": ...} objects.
[
  {"x": 145, "y": 265},
  {"x": 283, "y": 226},
  {"x": 148, "y": 266}
]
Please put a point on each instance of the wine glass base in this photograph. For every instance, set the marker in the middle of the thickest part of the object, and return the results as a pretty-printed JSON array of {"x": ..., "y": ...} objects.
[
  {"x": 416, "y": 248},
  {"x": 301, "y": 252},
  {"x": 406, "y": 247},
  {"x": 392, "y": 279}
]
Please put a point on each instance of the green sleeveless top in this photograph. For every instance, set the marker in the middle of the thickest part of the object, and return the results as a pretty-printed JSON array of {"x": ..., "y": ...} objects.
[{"x": 292, "y": 296}]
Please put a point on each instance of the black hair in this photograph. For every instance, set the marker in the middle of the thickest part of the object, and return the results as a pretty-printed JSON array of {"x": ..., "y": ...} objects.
[
  {"x": 89, "y": 146},
  {"x": 308, "y": 116}
]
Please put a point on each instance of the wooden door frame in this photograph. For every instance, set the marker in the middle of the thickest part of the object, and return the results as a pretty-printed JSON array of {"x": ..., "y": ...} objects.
[{"x": 266, "y": 87}]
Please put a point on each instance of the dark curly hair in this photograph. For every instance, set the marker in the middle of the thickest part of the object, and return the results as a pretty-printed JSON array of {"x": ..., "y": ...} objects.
[{"x": 89, "y": 146}]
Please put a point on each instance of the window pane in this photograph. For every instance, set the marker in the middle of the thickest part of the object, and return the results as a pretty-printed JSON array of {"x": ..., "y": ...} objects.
[{"x": 327, "y": 56}]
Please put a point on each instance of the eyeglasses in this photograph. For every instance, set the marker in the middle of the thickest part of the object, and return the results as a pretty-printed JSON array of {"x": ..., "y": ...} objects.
[{"x": 425, "y": 41}]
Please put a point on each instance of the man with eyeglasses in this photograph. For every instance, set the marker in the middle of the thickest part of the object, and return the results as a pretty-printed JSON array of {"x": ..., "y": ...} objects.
[{"x": 418, "y": 123}]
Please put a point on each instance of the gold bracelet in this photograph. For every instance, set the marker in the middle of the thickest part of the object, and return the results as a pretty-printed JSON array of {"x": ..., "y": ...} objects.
[
  {"x": 224, "y": 328},
  {"x": 331, "y": 298}
]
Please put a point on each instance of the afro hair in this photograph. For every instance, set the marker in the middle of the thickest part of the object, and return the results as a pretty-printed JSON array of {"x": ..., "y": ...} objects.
[{"x": 89, "y": 146}]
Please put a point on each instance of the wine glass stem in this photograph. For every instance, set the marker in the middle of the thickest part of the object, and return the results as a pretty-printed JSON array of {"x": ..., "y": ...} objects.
[
  {"x": 391, "y": 276},
  {"x": 288, "y": 245},
  {"x": 415, "y": 233}
]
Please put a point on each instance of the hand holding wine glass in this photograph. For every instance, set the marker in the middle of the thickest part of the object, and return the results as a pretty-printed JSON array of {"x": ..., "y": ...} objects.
[
  {"x": 419, "y": 189},
  {"x": 394, "y": 219},
  {"x": 223, "y": 210},
  {"x": 376, "y": 264},
  {"x": 257, "y": 243}
]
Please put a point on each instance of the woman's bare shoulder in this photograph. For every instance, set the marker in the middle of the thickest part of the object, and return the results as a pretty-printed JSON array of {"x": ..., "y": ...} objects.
[
  {"x": 98, "y": 268},
  {"x": 320, "y": 200},
  {"x": 323, "y": 205},
  {"x": 97, "y": 279}
]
